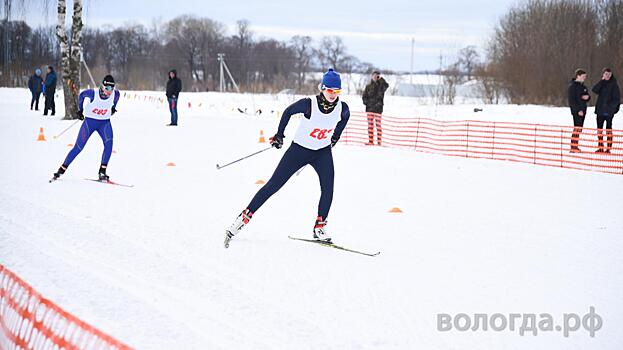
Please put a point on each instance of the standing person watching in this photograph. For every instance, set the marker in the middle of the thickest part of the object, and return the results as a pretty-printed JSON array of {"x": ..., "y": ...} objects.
[
  {"x": 49, "y": 89},
  {"x": 174, "y": 86},
  {"x": 608, "y": 104},
  {"x": 35, "y": 84},
  {"x": 372, "y": 98},
  {"x": 578, "y": 97}
]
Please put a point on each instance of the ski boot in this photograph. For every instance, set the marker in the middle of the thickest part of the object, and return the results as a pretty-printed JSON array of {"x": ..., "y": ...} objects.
[
  {"x": 58, "y": 173},
  {"x": 238, "y": 224},
  {"x": 320, "y": 231},
  {"x": 102, "y": 174}
]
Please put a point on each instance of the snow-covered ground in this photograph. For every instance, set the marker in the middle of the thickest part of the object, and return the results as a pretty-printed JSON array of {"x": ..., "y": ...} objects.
[{"x": 147, "y": 264}]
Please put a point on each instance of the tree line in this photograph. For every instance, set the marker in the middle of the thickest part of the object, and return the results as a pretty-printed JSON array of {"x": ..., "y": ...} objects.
[
  {"x": 140, "y": 57},
  {"x": 538, "y": 44}
]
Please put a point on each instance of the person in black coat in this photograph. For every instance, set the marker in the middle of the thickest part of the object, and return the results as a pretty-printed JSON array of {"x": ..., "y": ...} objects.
[
  {"x": 49, "y": 89},
  {"x": 372, "y": 97},
  {"x": 35, "y": 84},
  {"x": 174, "y": 86},
  {"x": 608, "y": 104},
  {"x": 578, "y": 97}
]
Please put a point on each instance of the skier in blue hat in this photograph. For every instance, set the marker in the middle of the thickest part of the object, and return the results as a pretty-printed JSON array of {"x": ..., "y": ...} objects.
[{"x": 325, "y": 119}]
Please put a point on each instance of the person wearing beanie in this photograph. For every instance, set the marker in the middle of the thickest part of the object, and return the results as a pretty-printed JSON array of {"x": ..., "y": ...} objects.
[
  {"x": 325, "y": 117},
  {"x": 578, "y": 97},
  {"x": 174, "y": 87},
  {"x": 35, "y": 84},
  {"x": 372, "y": 97},
  {"x": 95, "y": 107},
  {"x": 49, "y": 89}
]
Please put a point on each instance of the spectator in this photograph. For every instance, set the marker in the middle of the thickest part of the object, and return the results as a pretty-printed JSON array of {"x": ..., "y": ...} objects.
[
  {"x": 174, "y": 86},
  {"x": 35, "y": 84},
  {"x": 608, "y": 104},
  {"x": 49, "y": 89},
  {"x": 373, "y": 99},
  {"x": 578, "y": 96}
]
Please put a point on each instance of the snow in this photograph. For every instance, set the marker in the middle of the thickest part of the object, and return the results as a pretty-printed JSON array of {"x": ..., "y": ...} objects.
[{"x": 147, "y": 264}]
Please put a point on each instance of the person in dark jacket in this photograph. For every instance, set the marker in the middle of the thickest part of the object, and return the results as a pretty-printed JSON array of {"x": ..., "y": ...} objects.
[
  {"x": 174, "y": 86},
  {"x": 608, "y": 104},
  {"x": 372, "y": 97},
  {"x": 578, "y": 97},
  {"x": 35, "y": 84},
  {"x": 49, "y": 90}
]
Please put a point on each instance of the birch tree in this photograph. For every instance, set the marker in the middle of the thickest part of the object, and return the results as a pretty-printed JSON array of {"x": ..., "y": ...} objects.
[{"x": 70, "y": 56}]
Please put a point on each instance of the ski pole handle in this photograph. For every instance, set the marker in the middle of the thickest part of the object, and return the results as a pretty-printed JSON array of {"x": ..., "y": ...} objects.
[
  {"x": 69, "y": 127},
  {"x": 243, "y": 158}
]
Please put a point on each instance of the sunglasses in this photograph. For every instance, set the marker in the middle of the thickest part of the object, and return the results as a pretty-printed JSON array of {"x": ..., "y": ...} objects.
[
  {"x": 333, "y": 91},
  {"x": 109, "y": 88}
]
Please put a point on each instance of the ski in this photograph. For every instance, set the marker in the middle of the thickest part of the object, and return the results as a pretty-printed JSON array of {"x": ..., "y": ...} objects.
[
  {"x": 108, "y": 182},
  {"x": 332, "y": 245},
  {"x": 53, "y": 179}
]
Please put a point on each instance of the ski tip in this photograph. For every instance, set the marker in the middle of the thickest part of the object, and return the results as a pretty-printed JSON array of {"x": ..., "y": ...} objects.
[{"x": 218, "y": 167}]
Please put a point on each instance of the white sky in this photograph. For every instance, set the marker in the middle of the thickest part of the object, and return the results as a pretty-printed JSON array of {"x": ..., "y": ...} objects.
[{"x": 378, "y": 32}]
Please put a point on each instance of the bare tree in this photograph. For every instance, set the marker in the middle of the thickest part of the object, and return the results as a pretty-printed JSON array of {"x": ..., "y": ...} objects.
[
  {"x": 331, "y": 53},
  {"x": 303, "y": 54},
  {"x": 538, "y": 44},
  {"x": 468, "y": 60}
]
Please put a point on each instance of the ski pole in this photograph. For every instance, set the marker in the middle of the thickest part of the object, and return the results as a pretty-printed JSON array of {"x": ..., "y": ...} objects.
[
  {"x": 243, "y": 158},
  {"x": 69, "y": 127}
]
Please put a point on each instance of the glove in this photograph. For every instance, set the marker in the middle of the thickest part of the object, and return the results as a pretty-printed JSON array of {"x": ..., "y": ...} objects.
[
  {"x": 80, "y": 115},
  {"x": 113, "y": 111},
  {"x": 334, "y": 140},
  {"x": 276, "y": 141}
]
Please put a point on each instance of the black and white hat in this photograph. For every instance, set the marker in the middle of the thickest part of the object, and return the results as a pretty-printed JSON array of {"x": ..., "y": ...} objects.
[{"x": 108, "y": 80}]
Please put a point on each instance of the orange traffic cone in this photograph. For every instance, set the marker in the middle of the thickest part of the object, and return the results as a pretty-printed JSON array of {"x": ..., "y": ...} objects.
[
  {"x": 41, "y": 136},
  {"x": 262, "y": 139}
]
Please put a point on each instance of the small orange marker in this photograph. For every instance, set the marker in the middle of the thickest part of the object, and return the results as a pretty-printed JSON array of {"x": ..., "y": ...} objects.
[
  {"x": 41, "y": 135},
  {"x": 170, "y": 164},
  {"x": 395, "y": 210},
  {"x": 260, "y": 182}
]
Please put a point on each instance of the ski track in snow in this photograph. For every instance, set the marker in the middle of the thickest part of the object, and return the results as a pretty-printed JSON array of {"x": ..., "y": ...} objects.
[{"x": 147, "y": 264}]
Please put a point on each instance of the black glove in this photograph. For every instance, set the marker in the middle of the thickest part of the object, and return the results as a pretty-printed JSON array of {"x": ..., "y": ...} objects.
[
  {"x": 334, "y": 140},
  {"x": 113, "y": 111},
  {"x": 276, "y": 141},
  {"x": 80, "y": 115}
]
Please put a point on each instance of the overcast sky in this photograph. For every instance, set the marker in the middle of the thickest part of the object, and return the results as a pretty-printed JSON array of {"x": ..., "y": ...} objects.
[{"x": 379, "y": 32}]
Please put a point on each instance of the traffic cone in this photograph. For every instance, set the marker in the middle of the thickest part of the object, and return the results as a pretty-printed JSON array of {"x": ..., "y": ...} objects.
[
  {"x": 262, "y": 139},
  {"x": 395, "y": 210},
  {"x": 41, "y": 136}
]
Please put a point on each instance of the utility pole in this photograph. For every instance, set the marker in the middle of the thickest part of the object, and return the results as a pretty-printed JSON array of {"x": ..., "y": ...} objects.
[
  {"x": 221, "y": 80},
  {"x": 7, "y": 45},
  {"x": 411, "y": 74},
  {"x": 223, "y": 65}
]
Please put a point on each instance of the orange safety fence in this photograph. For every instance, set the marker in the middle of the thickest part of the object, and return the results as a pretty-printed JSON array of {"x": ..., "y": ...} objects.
[
  {"x": 550, "y": 145},
  {"x": 30, "y": 321}
]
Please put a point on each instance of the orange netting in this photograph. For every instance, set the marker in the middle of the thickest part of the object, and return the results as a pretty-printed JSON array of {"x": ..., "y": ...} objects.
[
  {"x": 522, "y": 142},
  {"x": 29, "y": 321}
]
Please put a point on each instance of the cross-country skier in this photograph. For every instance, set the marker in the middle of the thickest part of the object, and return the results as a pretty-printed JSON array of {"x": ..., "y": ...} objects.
[
  {"x": 96, "y": 113},
  {"x": 325, "y": 119}
]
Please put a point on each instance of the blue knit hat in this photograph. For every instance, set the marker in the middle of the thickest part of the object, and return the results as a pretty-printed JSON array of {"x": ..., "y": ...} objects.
[{"x": 331, "y": 80}]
